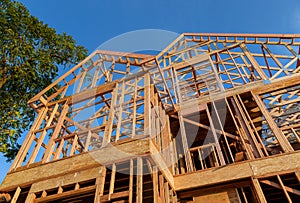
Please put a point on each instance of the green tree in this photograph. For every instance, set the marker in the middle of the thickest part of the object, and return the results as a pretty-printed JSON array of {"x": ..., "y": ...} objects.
[{"x": 30, "y": 55}]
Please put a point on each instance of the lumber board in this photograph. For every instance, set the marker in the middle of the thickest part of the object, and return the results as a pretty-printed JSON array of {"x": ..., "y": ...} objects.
[
  {"x": 161, "y": 164},
  {"x": 232, "y": 172},
  {"x": 258, "y": 87},
  {"x": 67, "y": 179},
  {"x": 76, "y": 163}
]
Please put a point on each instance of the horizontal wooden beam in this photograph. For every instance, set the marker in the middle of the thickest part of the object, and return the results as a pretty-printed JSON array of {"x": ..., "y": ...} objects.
[
  {"x": 244, "y": 35},
  {"x": 237, "y": 171},
  {"x": 65, "y": 195},
  {"x": 258, "y": 87},
  {"x": 68, "y": 179},
  {"x": 125, "y": 54},
  {"x": 77, "y": 163}
]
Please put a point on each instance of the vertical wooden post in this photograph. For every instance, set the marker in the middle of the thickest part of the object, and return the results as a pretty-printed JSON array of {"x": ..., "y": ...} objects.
[
  {"x": 282, "y": 140},
  {"x": 147, "y": 106},
  {"x": 251, "y": 137},
  {"x": 112, "y": 181},
  {"x": 100, "y": 182},
  {"x": 139, "y": 180},
  {"x": 30, "y": 197},
  {"x": 216, "y": 139},
  {"x": 59, "y": 149},
  {"x": 133, "y": 134},
  {"x": 74, "y": 145},
  {"x": 185, "y": 146},
  {"x": 167, "y": 192},
  {"x": 283, "y": 188},
  {"x": 258, "y": 191},
  {"x": 56, "y": 131},
  {"x": 16, "y": 195},
  {"x": 42, "y": 136},
  {"x": 120, "y": 111},
  {"x": 253, "y": 62},
  {"x": 162, "y": 189},
  {"x": 130, "y": 198},
  {"x": 109, "y": 124},
  {"x": 297, "y": 173},
  {"x": 155, "y": 184},
  {"x": 187, "y": 154},
  {"x": 28, "y": 141},
  {"x": 88, "y": 141},
  {"x": 222, "y": 129}
]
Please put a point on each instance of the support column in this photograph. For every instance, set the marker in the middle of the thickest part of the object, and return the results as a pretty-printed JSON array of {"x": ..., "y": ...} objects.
[
  {"x": 258, "y": 191},
  {"x": 282, "y": 140}
]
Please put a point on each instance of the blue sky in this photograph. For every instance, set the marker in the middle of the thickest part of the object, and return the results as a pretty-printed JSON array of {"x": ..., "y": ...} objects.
[{"x": 92, "y": 22}]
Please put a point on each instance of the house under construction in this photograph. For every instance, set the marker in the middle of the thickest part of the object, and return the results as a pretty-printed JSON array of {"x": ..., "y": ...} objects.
[{"x": 211, "y": 118}]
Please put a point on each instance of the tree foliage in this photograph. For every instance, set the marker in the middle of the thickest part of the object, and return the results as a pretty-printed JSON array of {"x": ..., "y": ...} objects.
[{"x": 30, "y": 55}]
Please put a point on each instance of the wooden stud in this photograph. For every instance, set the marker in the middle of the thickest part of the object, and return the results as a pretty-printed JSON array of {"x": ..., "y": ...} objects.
[
  {"x": 284, "y": 188},
  {"x": 285, "y": 145},
  {"x": 51, "y": 144},
  {"x": 112, "y": 181},
  {"x": 16, "y": 195},
  {"x": 109, "y": 125},
  {"x": 139, "y": 180},
  {"x": 155, "y": 185},
  {"x": 216, "y": 139},
  {"x": 161, "y": 189},
  {"x": 29, "y": 139},
  {"x": 259, "y": 193},
  {"x": 130, "y": 197}
]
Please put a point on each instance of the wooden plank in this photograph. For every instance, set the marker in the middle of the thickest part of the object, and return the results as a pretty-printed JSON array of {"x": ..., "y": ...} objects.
[
  {"x": 259, "y": 193},
  {"x": 284, "y": 188},
  {"x": 74, "y": 164},
  {"x": 74, "y": 145},
  {"x": 187, "y": 154},
  {"x": 258, "y": 87},
  {"x": 67, "y": 179},
  {"x": 147, "y": 106},
  {"x": 120, "y": 109},
  {"x": 161, "y": 189},
  {"x": 216, "y": 139},
  {"x": 279, "y": 186},
  {"x": 51, "y": 144},
  {"x": 35, "y": 98},
  {"x": 241, "y": 112},
  {"x": 42, "y": 136},
  {"x": 155, "y": 185},
  {"x": 88, "y": 141},
  {"x": 59, "y": 149},
  {"x": 29, "y": 139},
  {"x": 163, "y": 168},
  {"x": 252, "y": 35},
  {"x": 100, "y": 181},
  {"x": 284, "y": 143},
  {"x": 252, "y": 168},
  {"x": 117, "y": 195},
  {"x": 134, "y": 114},
  {"x": 297, "y": 173},
  {"x": 112, "y": 181},
  {"x": 130, "y": 196},
  {"x": 139, "y": 180},
  {"x": 241, "y": 132},
  {"x": 64, "y": 195},
  {"x": 109, "y": 124},
  {"x": 16, "y": 195},
  {"x": 30, "y": 198},
  {"x": 166, "y": 192}
]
